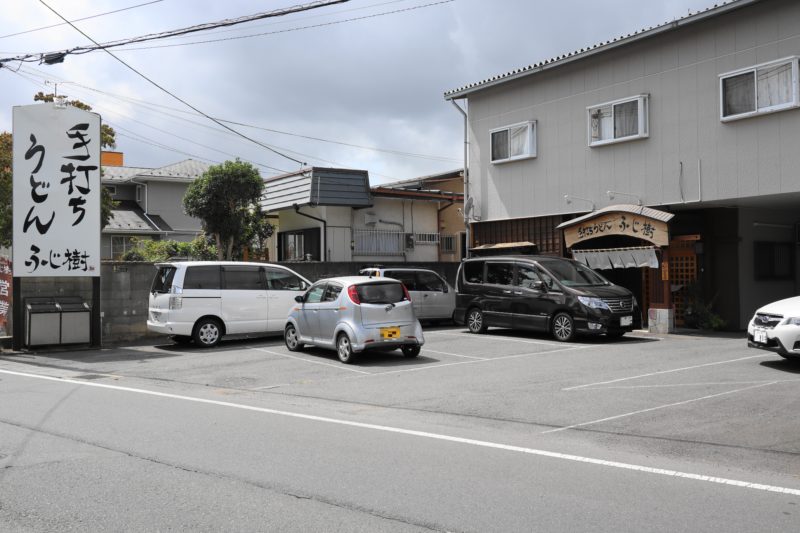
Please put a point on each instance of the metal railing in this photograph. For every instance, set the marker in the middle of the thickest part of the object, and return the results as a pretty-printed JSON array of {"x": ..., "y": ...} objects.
[{"x": 378, "y": 242}]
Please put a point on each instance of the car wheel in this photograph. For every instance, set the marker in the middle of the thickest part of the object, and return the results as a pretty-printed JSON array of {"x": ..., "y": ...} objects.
[
  {"x": 291, "y": 339},
  {"x": 475, "y": 322},
  {"x": 207, "y": 332},
  {"x": 563, "y": 327},
  {"x": 344, "y": 349},
  {"x": 181, "y": 339},
  {"x": 410, "y": 350}
]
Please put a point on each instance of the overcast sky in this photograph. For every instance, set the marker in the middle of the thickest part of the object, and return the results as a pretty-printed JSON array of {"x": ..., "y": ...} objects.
[{"x": 375, "y": 82}]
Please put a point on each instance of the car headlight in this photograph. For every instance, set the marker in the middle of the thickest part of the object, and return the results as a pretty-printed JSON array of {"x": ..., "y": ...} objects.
[
  {"x": 594, "y": 303},
  {"x": 792, "y": 321}
]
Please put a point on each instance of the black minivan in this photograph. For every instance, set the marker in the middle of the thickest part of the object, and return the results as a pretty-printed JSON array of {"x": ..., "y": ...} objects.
[{"x": 542, "y": 293}]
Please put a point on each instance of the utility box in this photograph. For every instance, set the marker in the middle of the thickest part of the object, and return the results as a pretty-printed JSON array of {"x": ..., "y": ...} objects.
[
  {"x": 43, "y": 321},
  {"x": 76, "y": 320}
]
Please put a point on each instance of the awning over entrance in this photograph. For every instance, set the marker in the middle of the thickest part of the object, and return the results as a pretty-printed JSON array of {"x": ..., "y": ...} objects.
[
  {"x": 635, "y": 257},
  {"x": 505, "y": 248},
  {"x": 629, "y": 220}
]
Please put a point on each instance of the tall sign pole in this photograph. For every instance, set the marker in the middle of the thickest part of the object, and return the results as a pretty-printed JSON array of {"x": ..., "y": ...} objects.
[{"x": 56, "y": 201}]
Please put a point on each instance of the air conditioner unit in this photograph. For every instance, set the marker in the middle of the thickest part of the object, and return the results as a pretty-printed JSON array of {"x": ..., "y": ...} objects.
[{"x": 370, "y": 219}]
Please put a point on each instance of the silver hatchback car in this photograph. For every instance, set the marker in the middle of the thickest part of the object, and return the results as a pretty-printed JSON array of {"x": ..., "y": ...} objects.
[{"x": 353, "y": 314}]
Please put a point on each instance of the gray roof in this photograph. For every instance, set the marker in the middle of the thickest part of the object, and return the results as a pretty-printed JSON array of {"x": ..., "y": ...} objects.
[
  {"x": 663, "y": 216},
  {"x": 128, "y": 217},
  {"x": 717, "y": 9},
  {"x": 188, "y": 170}
]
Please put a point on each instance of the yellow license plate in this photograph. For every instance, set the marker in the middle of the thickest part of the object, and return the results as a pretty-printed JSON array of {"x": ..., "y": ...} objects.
[{"x": 390, "y": 333}]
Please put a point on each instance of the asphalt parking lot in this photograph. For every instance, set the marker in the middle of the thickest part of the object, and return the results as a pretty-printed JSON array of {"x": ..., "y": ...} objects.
[{"x": 677, "y": 397}]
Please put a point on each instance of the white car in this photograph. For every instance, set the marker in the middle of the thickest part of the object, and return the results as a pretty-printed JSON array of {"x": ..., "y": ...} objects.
[
  {"x": 205, "y": 300},
  {"x": 432, "y": 297},
  {"x": 776, "y": 327}
]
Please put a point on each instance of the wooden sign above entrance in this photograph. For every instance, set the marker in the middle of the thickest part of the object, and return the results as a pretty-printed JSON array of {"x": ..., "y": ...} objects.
[{"x": 609, "y": 222}]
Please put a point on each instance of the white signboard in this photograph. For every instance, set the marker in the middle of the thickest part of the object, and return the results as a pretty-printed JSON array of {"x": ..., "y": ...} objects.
[{"x": 56, "y": 191}]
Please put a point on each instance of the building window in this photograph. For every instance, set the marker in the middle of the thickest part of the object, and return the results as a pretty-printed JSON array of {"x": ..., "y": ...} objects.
[
  {"x": 773, "y": 260},
  {"x": 760, "y": 89},
  {"x": 618, "y": 121},
  {"x": 447, "y": 244},
  {"x": 510, "y": 143},
  {"x": 299, "y": 245},
  {"x": 139, "y": 193}
]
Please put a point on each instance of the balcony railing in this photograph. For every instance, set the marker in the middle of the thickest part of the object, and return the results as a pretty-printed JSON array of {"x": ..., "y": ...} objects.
[{"x": 377, "y": 242}]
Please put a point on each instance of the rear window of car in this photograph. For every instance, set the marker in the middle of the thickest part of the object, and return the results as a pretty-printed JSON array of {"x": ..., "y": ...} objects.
[
  {"x": 202, "y": 277},
  {"x": 163, "y": 280},
  {"x": 381, "y": 293},
  {"x": 473, "y": 272}
]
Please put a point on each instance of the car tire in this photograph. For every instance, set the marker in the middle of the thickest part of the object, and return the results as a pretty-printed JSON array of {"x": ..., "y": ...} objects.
[
  {"x": 344, "y": 349},
  {"x": 207, "y": 332},
  {"x": 563, "y": 327},
  {"x": 476, "y": 322},
  {"x": 181, "y": 339},
  {"x": 411, "y": 350},
  {"x": 291, "y": 338}
]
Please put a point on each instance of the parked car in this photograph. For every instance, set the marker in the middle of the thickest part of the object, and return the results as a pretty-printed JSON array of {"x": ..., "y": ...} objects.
[
  {"x": 776, "y": 327},
  {"x": 205, "y": 300},
  {"x": 354, "y": 314},
  {"x": 542, "y": 293},
  {"x": 432, "y": 297}
]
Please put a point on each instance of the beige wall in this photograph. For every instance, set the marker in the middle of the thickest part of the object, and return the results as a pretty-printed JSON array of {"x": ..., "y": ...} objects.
[{"x": 688, "y": 143}]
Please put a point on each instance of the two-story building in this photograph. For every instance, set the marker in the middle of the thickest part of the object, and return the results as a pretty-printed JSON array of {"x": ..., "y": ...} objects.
[
  {"x": 668, "y": 157},
  {"x": 149, "y": 203}
]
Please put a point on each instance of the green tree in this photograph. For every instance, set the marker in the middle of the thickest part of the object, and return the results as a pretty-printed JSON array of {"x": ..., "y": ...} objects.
[
  {"x": 257, "y": 232},
  {"x": 151, "y": 250},
  {"x": 224, "y": 198}
]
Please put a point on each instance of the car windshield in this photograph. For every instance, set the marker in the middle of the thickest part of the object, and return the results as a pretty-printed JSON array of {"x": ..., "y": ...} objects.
[
  {"x": 572, "y": 274},
  {"x": 381, "y": 293}
]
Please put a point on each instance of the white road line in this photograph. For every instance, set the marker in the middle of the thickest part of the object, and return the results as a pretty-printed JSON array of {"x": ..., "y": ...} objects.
[
  {"x": 435, "y": 436},
  {"x": 303, "y": 359},
  {"x": 666, "y": 372},
  {"x": 456, "y": 354},
  {"x": 698, "y": 384},
  {"x": 657, "y": 408}
]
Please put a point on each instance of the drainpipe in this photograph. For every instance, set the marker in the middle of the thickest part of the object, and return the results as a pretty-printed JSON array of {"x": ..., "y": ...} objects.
[
  {"x": 466, "y": 171},
  {"x": 324, "y": 230}
]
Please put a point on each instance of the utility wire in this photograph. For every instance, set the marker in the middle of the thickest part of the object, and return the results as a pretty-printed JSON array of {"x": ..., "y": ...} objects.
[
  {"x": 45, "y": 57},
  {"x": 80, "y": 19},
  {"x": 187, "y": 104}
]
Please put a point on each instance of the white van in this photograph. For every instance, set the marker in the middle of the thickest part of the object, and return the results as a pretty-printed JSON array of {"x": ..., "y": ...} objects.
[
  {"x": 433, "y": 298},
  {"x": 204, "y": 300}
]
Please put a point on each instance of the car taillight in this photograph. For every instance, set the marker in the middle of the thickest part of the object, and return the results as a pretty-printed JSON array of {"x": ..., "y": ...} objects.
[
  {"x": 405, "y": 291},
  {"x": 175, "y": 302},
  {"x": 352, "y": 292}
]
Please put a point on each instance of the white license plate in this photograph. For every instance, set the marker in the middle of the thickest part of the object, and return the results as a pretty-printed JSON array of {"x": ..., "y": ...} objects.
[
  {"x": 626, "y": 321},
  {"x": 760, "y": 335}
]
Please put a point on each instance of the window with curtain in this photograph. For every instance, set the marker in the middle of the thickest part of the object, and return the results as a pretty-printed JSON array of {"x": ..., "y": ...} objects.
[
  {"x": 760, "y": 89},
  {"x": 621, "y": 120},
  {"x": 517, "y": 141}
]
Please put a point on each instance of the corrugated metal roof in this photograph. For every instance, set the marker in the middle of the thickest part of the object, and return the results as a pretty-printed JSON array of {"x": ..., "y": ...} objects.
[
  {"x": 715, "y": 10},
  {"x": 649, "y": 212},
  {"x": 187, "y": 170},
  {"x": 128, "y": 217}
]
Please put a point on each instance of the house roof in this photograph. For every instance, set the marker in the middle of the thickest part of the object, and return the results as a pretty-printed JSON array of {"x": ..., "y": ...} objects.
[
  {"x": 185, "y": 171},
  {"x": 425, "y": 182},
  {"x": 413, "y": 194},
  {"x": 649, "y": 212},
  {"x": 623, "y": 40},
  {"x": 128, "y": 217}
]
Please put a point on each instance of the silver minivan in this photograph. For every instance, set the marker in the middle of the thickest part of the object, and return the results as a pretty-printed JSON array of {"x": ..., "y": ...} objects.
[
  {"x": 204, "y": 300},
  {"x": 433, "y": 298},
  {"x": 353, "y": 314}
]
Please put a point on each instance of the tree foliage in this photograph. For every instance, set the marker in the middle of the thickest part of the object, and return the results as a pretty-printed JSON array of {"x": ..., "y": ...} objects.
[
  {"x": 225, "y": 199},
  {"x": 144, "y": 249}
]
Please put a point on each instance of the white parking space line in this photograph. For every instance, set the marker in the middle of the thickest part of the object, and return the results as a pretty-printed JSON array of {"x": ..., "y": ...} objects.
[
  {"x": 428, "y": 435},
  {"x": 696, "y": 384},
  {"x": 582, "y": 424},
  {"x": 303, "y": 359},
  {"x": 667, "y": 371},
  {"x": 428, "y": 350}
]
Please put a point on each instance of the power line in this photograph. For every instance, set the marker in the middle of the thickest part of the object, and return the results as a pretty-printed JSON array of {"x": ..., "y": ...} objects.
[
  {"x": 80, "y": 19},
  {"x": 184, "y": 102},
  {"x": 320, "y": 25}
]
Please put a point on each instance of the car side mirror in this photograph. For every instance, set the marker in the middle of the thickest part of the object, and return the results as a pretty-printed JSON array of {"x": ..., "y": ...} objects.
[
  {"x": 539, "y": 286},
  {"x": 300, "y": 298},
  {"x": 445, "y": 288}
]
